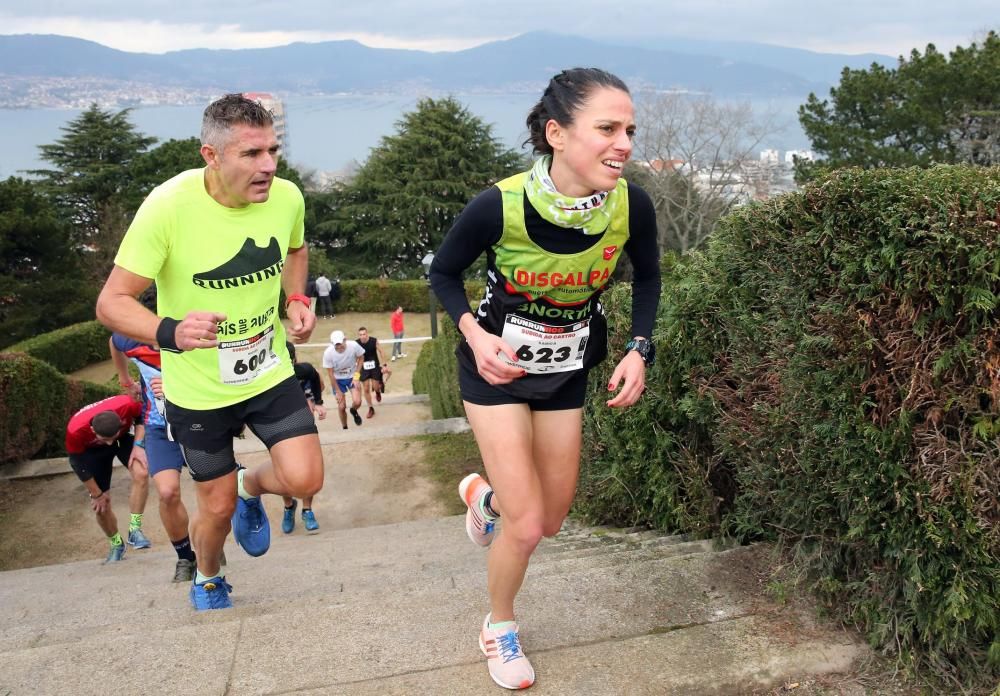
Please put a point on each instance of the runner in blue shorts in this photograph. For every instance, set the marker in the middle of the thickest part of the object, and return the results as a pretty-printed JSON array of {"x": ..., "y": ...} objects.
[
  {"x": 163, "y": 455},
  {"x": 343, "y": 361}
]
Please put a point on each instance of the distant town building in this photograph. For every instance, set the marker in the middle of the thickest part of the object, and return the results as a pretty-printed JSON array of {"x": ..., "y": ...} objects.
[
  {"x": 277, "y": 109},
  {"x": 769, "y": 157}
]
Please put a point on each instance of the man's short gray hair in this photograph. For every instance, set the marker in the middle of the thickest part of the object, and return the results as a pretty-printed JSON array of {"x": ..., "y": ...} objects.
[{"x": 228, "y": 111}]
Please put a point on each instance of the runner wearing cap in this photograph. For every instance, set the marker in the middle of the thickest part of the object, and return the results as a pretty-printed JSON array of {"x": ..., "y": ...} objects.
[{"x": 343, "y": 360}]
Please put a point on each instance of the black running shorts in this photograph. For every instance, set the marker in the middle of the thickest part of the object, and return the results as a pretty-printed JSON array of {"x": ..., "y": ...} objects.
[
  {"x": 477, "y": 390},
  {"x": 206, "y": 437},
  {"x": 96, "y": 462}
]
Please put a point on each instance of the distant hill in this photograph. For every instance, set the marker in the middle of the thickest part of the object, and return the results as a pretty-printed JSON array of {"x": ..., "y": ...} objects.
[
  {"x": 525, "y": 62},
  {"x": 809, "y": 65}
]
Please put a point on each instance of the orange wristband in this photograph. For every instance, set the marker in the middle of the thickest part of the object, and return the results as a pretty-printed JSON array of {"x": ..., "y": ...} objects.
[{"x": 297, "y": 298}]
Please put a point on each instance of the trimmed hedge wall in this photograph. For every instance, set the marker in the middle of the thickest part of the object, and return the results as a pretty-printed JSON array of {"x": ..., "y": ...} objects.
[
  {"x": 36, "y": 403},
  {"x": 436, "y": 373},
  {"x": 386, "y": 295},
  {"x": 68, "y": 349},
  {"x": 829, "y": 377}
]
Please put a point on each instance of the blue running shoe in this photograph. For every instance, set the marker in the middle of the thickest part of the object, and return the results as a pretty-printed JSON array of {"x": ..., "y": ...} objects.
[
  {"x": 211, "y": 594},
  {"x": 137, "y": 539},
  {"x": 117, "y": 553},
  {"x": 288, "y": 520},
  {"x": 309, "y": 520},
  {"x": 251, "y": 529}
]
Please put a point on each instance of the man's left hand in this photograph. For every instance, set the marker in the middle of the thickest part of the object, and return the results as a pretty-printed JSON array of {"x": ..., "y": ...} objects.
[{"x": 301, "y": 321}]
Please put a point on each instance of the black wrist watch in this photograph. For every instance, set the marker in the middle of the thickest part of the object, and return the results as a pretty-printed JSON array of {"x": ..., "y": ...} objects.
[{"x": 644, "y": 348}]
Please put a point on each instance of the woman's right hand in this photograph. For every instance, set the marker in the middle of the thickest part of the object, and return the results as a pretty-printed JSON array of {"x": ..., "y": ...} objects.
[{"x": 486, "y": 348}]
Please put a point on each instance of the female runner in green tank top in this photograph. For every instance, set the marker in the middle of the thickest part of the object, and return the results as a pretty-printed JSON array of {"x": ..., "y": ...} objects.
[{"x": 552, "y": 237}]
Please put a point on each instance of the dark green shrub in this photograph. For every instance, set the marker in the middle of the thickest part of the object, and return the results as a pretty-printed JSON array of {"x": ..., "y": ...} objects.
[
  {"x": 649, "y": 464},
  {"x": 36, "y": 403},
  {"x": 436, "y": 373},
  {"x": 829, "y": 377},
  {"x": 69, "y": 349}
]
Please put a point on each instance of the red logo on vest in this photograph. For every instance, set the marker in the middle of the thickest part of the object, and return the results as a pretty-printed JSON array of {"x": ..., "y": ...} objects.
[{"x": 609, "y": 252}]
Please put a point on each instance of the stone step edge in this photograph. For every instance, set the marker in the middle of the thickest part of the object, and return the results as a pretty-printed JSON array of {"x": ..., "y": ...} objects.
[{"x": 271, "y": 608}]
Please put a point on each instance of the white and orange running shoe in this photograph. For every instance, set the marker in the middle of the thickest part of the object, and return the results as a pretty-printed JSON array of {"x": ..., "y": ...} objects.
[
  {"x": 506, "y": 661},
  {"x": 478, "y": 524}
]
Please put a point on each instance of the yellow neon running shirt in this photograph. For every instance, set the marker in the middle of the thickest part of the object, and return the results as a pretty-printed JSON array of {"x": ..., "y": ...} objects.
[{"x": 207, "y": 257}]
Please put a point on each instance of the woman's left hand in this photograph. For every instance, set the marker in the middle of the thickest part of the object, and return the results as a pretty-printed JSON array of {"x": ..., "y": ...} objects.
[{"x": 632, "y": 371}]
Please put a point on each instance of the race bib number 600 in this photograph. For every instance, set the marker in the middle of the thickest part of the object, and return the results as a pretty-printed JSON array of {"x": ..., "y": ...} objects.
[
  {"x": 241, "y": 362},
  {"x": 542, "y": 348}
]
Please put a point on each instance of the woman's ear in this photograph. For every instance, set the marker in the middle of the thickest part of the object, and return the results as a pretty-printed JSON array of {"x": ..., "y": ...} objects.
[{"x": 555, "y": 134}]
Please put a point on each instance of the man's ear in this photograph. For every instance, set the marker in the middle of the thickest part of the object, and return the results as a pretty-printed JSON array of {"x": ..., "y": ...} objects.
[{"x": 210, "y": 155}]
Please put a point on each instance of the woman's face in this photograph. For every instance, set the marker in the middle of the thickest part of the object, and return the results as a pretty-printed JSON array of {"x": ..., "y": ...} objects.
[{"x": 589, "y": 155}]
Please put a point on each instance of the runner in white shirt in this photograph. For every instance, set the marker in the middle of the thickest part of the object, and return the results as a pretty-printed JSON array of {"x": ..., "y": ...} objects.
[{"x": 342, "y": 360}]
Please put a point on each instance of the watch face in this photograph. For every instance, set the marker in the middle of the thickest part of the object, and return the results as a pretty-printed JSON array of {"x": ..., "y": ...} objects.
[{"x": 644, "y": 348}]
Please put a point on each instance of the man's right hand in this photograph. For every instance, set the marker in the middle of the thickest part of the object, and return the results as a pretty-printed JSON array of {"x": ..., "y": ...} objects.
[
  {"x": 101, "y": 503},
  {"x": 198, "y": 330}
]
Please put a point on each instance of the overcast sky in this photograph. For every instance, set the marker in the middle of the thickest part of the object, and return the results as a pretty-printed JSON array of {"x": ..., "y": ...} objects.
[{"x": 890, "y": 27}]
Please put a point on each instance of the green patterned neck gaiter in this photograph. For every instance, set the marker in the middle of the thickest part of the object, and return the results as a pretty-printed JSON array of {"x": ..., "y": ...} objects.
[{"x": 591, "y": 214}]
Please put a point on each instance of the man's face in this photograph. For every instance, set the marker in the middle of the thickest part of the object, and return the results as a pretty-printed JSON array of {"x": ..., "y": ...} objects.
[
  {"x": 363, "y": 335},
  {"x": 245, "y": 167},
  {"x": 340, "y": 347}
]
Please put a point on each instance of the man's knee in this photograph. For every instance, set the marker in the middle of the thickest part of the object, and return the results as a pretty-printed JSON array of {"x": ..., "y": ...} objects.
[
  {"x": 170, "y": 495},
  {"x": 305, "y": 479},
  {"x": 299, "y": 466},
  {"x": 217, "y": 498}
]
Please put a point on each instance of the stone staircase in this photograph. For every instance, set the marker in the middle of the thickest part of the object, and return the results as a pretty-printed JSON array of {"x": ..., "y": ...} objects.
[{"x": 396, "y": 609}]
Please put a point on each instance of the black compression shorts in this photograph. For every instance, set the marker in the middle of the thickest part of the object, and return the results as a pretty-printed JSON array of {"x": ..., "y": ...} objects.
[{"x": 206, "y": 437}]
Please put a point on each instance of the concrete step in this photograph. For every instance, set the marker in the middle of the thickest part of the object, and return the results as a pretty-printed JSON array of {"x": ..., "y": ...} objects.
[
  {"x": 367, "y": 561},
  {"x": 396, "y": 609}
]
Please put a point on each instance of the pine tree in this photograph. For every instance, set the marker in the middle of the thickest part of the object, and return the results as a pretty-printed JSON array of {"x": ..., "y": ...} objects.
[
  {"x": 930, "y": 109},
  {"x": 408, "y": 193},
  {"x": 41, "y": 285},
  {"x": 90, "y": 167}
]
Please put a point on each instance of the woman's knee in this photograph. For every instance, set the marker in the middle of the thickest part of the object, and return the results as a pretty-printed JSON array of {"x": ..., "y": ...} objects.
[{"x": 524, "y": 533}]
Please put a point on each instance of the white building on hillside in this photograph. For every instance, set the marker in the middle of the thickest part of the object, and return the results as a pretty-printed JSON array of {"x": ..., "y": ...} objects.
[
  {"x": 277, "y": 109},
  {"x": 769, "y": 157}
]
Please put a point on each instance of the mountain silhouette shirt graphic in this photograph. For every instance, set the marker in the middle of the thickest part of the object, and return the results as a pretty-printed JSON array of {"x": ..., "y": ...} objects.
[{"x": 251, "y": 264}]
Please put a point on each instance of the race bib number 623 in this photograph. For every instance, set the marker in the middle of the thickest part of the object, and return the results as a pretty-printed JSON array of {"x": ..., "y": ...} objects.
[{"x": 542, "y": 348}]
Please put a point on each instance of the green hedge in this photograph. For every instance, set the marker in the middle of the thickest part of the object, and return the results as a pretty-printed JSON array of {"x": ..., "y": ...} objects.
[
  {"x": 386, "y": 295},
  {"x": 36, "y": 403},
  {"x": 829, "y": 377},
  {"x": 436, "y": 373},
  {"x": 68, "y": 349}
]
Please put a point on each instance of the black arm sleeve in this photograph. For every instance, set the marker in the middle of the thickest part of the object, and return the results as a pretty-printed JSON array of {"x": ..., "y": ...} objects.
[
  {"x": 305, "y": 372},
  {"x": 477, "y": 229},
  {"x": 643, "y": 251}
]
